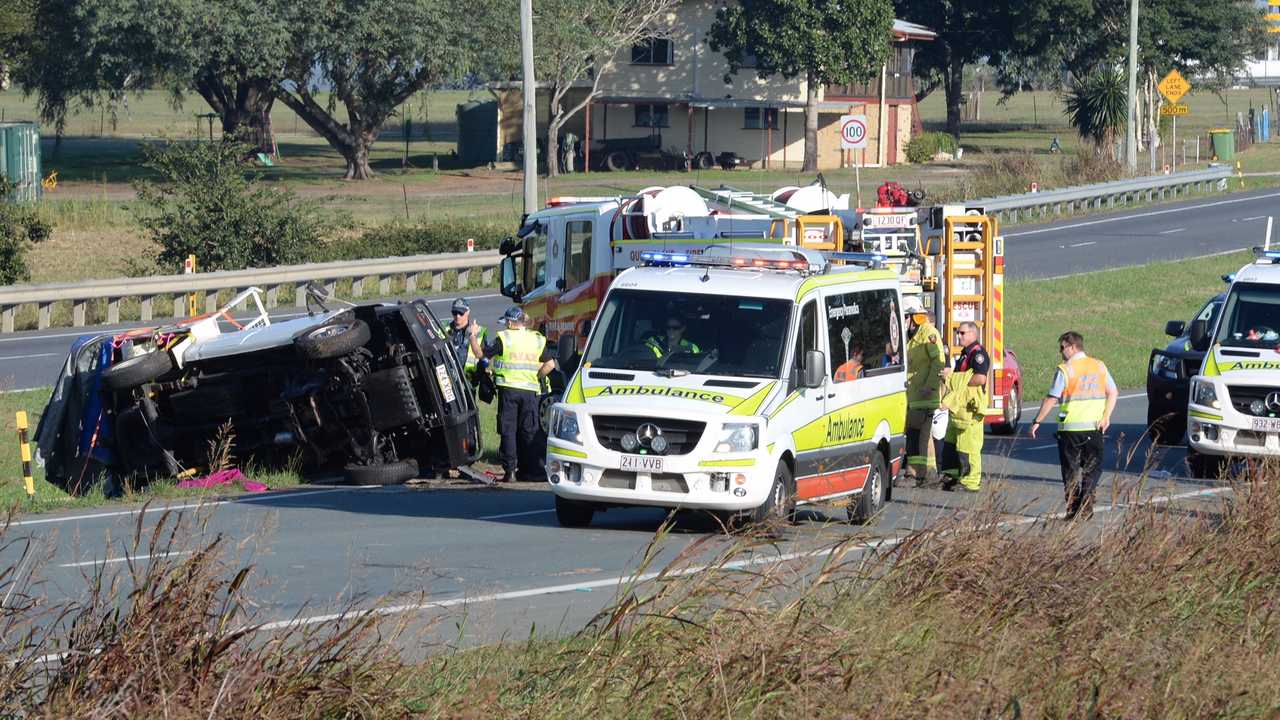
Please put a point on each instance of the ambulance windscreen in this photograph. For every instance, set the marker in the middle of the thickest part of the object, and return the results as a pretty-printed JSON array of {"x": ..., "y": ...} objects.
[
  {"x": 1251, "y": 317},
  {"x": 706, "y": 334}
]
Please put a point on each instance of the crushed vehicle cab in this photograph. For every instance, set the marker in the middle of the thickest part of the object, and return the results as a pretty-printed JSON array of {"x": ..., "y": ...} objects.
[
  {"x": 1234, "y": 406},
  {"x": 1169, "y": 372},
  {"x": 372, "y": 390},
  {"x": 736, "y": 380}
]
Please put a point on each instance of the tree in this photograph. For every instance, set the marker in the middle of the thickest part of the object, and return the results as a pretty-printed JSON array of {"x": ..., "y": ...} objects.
[
  {"x": 17, "y": 21},
  {"x": 826, "y": 41},
  {"x": 1097, "y": 108},
  {"x": 373, "y": 55},
  {"x": 573, "y": 37}
]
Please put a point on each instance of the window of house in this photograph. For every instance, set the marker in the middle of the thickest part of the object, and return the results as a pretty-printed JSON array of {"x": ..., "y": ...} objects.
[
  {"x": 760, "y": 118},
  {"x": 654, "y": 51},
  {"x": 577, "y": 256},
  {"x": 652, "y": 115},
  {"x": 865, "y": 334}
]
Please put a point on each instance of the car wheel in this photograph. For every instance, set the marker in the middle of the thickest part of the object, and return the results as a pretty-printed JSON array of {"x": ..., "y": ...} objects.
[
  {"x": 393, "y": 473},
  {"x": 1165, "y": 428},
  {"x": 616, "y": 161},
  {"x": 1012, "y": 413},
  {"x": 332, "y": 340},
  {"x": 1205, "y": 467},
  {"x": 137, "y": 370},
  {"x": 780, "y": 505},
  {"x": 574, "y": 514},
  {"x": 874, "y": 492},
  {"x": 704, "y": 160}
]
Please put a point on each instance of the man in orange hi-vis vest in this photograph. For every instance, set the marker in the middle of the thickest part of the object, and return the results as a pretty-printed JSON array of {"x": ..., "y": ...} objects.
[{"x": 1088, "y": 397}]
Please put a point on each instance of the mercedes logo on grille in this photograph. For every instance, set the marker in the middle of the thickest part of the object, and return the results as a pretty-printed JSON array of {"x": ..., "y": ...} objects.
[
  {"x": 648, "y": 431},
  {"x": 1273, "y": 401}
]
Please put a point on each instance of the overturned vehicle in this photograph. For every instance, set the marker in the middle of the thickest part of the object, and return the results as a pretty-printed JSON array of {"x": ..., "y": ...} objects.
[{"x": 372, "y": 391}]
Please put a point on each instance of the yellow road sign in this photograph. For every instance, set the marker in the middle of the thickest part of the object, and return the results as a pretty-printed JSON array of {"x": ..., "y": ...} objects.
[
  {"x": 1174, "y": 86},
  {"x": 1174, "y": 110}
]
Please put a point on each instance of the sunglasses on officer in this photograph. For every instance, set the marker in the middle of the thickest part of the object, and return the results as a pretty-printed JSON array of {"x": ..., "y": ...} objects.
[{"x": 675, "y": 326}]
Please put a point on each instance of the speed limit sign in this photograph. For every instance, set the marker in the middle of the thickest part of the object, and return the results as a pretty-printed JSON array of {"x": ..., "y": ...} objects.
[{"x": 853, "y": 132}]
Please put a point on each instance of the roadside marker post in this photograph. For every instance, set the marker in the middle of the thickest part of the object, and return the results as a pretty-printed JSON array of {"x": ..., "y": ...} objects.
[
  {"x": 25, "y": 450},
  {"x": 189, "y": 268}
]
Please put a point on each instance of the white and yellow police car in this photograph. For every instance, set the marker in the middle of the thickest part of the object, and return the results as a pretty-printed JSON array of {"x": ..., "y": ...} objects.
[
  {"x": 737, "y": 380},
  {"x": 1234, "y": 402}
]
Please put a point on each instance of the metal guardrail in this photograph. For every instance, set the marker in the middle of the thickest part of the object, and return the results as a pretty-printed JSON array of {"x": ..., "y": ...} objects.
[
  {"x": 1049, "y": 203},
  {"x": 412, "y": 269}
]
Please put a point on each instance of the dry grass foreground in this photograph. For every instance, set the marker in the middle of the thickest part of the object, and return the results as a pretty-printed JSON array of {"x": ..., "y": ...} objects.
[{"x": 1161, "y": 613}]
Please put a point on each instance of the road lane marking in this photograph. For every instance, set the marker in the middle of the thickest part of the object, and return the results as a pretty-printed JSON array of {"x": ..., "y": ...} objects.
[
  {"x": 516, "y": 514},
  {"x": 1130, "y": 396},
  {"x": 1175, "y": 230},
  {"x": 1083, "y": 244},
  {"x": 28, "y": 357},
  {"x": 1044, "y": 447},
  {"x": 1142, "y": 215},
  {"x": 187, "y": 506},
  {"x": 1255, "y": 217},
  {"x": 126, "y": 558}
]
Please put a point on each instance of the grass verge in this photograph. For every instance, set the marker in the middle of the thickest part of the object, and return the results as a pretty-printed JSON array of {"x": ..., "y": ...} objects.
[{"x": 1121, "y": 314}]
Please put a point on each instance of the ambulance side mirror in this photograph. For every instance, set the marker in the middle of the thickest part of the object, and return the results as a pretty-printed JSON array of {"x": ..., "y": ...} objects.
[
  {"x": 1198, "y": 333},
  {"x": 508, "y": 245},
  {"x": 814, "y": 372},
  {"x": 510, "y": 285},
  {"x": 567, "y": 353}
]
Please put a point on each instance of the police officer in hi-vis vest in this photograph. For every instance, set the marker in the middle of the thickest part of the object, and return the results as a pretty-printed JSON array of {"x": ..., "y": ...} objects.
[
  {"x": 520, "y": 361},
  {"x": 1088, "y": 396}
]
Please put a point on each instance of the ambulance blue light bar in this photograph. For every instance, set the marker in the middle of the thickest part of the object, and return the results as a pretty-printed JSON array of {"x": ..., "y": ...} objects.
[
  {"x": 1272, "y": 255},
  {"x": 861, "y": 258},
  {"x": 668, "y": 259}
]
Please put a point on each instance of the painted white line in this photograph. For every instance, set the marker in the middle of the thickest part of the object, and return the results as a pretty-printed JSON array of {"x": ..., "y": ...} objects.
[
  {"x": 1130, "y": 396},
  {"x": 516, "y": 514},
  {"x": 186, "y": 506},
  {"x": 28, "y": 357},
  {"x": 1255, "y": 217},
  {"x": 1044, "y": 447},
  {"x": 1170, "y": 232},
  {"x": 1084, "y": 244},
  {"x": 1130, "y": 267},
  {"x": 1142, "y": 215},
  {"x": 124, "y": 559}
]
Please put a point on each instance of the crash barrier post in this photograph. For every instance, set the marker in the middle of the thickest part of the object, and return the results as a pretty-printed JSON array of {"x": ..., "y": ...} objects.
[
  {"x": 189, "y": 268},
  {"x": 25, "y": 450}
]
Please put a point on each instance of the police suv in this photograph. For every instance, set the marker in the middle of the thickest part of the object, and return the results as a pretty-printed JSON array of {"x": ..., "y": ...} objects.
[
  {"x": 1234, "y": 405},
  {"x": 736, "y": 380}
]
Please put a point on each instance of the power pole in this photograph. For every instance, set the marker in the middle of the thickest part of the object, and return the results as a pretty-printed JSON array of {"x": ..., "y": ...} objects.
[
  {"x": 530, "y": 91},
  {"x": 1131, "y": 135}
]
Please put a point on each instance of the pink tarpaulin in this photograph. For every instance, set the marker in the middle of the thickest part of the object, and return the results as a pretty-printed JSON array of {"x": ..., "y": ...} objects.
[{"x": 224, "y": 477}]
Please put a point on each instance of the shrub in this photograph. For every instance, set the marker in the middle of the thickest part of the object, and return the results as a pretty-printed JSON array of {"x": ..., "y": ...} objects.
[
  {"x": 20, "y": 228},
  {"x": 922, "y": 148},
  {"x": 425, "y": 238},
  {"x": 1085, "y": 168},
  {"x": 206, "y": 204}
]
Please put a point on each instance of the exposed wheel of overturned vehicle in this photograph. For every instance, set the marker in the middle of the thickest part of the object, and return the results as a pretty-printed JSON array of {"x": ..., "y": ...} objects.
[
  {"x": 394, "y": 473},
  {"x": 332, "y": 340},
  {"x": 137, "y": 370}
]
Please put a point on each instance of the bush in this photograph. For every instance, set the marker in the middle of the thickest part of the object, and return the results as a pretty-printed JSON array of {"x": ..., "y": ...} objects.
[
  {"x": 1086, "y": 168},
  {"x": 1002, "y": 174},
  {"x": 20, "y": 228},
  {"x": 922, "y": 148},
  {"x": 207, "y": 205},
  {"x": 426, "y": 238}
]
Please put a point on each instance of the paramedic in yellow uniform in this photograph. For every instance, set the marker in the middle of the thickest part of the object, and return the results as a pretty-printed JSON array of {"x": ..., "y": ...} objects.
[
  {"x": 964, "y": 395},
  {"x": 925, "y": 360}
]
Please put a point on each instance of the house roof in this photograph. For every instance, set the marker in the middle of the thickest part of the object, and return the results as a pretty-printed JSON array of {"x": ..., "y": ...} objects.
[{"x": 904, "y": 30}]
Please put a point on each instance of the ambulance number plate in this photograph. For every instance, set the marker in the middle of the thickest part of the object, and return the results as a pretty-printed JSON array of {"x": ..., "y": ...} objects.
[
  {"x": 1266, "y": 424},
  {"x": 642, "y": 463}
]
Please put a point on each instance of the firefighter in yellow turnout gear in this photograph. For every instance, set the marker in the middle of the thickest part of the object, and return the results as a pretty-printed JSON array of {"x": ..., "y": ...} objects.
[
  {"x": 925, "y": 360},
  {"x": 964, "y": 395}
]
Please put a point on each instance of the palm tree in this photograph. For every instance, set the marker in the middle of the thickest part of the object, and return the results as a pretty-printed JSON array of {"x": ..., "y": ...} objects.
[{"x": 1097, "y": 107}]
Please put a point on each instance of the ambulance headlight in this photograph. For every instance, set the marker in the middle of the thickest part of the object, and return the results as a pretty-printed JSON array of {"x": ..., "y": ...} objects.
[
  {"x": 563, "y": 425},
  {"x": 737, "y": 437},
  {"x": 1204, "y": 393}
]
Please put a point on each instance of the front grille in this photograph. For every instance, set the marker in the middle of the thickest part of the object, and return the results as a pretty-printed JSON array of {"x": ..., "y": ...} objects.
[
  {"x": 618, "y": 480},
  {"x": 682, "y": 435},
  {"x": 1244, "y": 395},
  {"x": 661, "y": 482}
]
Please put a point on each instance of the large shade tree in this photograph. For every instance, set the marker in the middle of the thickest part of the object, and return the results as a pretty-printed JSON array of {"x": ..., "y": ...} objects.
[{"x": 823, "y": 41}]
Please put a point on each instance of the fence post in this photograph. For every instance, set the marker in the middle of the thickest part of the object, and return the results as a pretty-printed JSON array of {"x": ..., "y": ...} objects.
[{"x": 25, "y": 453}]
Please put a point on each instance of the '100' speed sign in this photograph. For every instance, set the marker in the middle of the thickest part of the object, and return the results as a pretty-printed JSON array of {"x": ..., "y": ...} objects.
[{"x": 853, "y": 132}]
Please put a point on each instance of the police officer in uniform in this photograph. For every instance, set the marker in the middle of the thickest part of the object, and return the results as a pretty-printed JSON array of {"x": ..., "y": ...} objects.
[
  {"x": 520, "y": 362},
  {"x": 965, "y": 396},
  {"x": 1088, "y": 396},
  {"x": 925, "y": 360},
  {"x": 458, "y": 332}
]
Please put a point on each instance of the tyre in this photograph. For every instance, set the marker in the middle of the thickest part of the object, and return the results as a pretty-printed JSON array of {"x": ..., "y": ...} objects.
[
  {"x": 616, "y": 161},
  {"x": 393, "y": 473},
  {"x": 780, "y": 505},
  {"x": 1205, "y": 467},
  {"x": 874, "y": 492},
  {"x": 544, "y": 410},
  {"x": 1164, "y": 427},
  {"x": 137, "y": 370},
  {"x": 704, "y": 161},
  {"x": 1012, "y": 413},
  {"x": 332, "y": 340},
  {"x": 574, "y": 514}
]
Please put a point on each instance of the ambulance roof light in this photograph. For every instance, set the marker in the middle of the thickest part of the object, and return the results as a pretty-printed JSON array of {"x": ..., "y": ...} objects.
[
  {"x": 1272, "y": 256},
  {"x": 872, "y": 260},
  {"x": 668, "y": 259}
]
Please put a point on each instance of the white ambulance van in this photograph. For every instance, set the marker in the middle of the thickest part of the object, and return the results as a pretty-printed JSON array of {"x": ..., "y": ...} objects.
[
  {"x": 1234, "y": 406},
  {"x": 737, "y": 380}
]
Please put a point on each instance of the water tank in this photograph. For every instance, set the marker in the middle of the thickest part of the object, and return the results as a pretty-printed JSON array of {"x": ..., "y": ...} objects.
[
  {"x": 20, "y": 160},
  {"x": 477, "y": 132}
]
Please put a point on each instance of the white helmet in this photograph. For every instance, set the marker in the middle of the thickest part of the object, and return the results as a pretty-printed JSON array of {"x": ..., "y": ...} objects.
[{"x": 912, "y": 304}]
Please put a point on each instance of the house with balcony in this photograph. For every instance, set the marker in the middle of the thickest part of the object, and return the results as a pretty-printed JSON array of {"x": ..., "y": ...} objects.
[{"x": 675, "y": 88}]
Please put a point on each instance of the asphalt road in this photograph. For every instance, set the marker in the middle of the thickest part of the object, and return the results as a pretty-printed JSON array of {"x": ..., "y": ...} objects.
[{"x": 494, "y": 562}]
